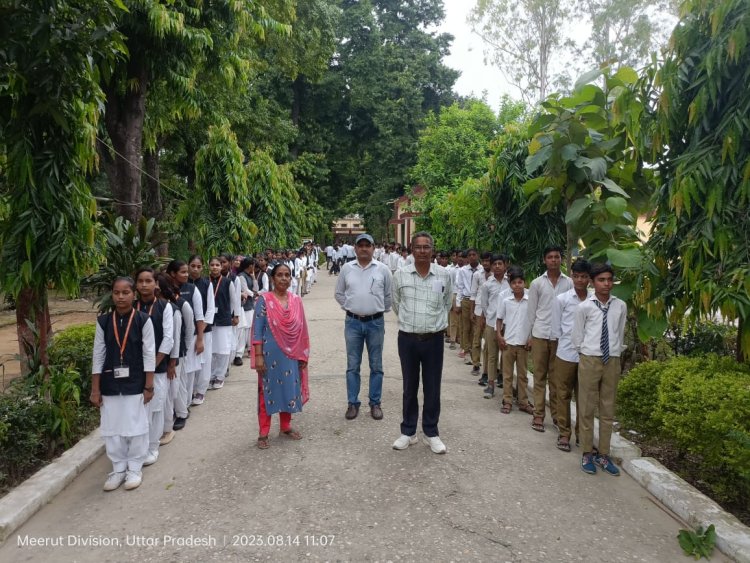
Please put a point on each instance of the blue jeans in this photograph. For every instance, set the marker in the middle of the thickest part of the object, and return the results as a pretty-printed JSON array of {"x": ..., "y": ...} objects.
[{"x": 357, "y": 334}]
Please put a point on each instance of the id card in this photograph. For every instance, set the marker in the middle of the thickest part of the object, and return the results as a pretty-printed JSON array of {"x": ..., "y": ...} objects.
[{"x": 121, "y": 372}]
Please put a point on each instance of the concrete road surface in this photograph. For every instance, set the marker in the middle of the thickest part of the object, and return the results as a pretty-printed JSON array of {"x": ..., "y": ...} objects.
[{"x": 502, "y": 493}]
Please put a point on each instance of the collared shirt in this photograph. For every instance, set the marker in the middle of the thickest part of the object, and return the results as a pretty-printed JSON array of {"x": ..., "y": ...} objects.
[
  {"x": 542, "y": 296},
  {"x": 364, "y": 291},
  {"x": 513, "y": 313},
  {"x": 479, "y": 278},
  {"x": 562, "y": 324},
  {"x": 422, "y": 304},
  {"x": 463, "y": 282},
  {"x": 487, "y": 301},
  {"x": 393, "y": 259},
  {"x": 587, "y": 326}
]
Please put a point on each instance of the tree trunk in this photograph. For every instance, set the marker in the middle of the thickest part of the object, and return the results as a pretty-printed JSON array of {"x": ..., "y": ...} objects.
[
  {"x": 32, "y": 316},
  {"x": 153, "y": 205},
  {"x": 124, "y": 117},
  {"x": 741, "y": 323}
]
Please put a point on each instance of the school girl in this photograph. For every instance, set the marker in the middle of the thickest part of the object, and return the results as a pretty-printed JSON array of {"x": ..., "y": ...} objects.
[
  {"x": 226, "y": 300},
  {"x": 122, "y": 384},
  {"x": 162, "y": 317},
  {"x": 182, "y": 313},
  {"x": 203, "y": 285},
  {"x": 248, "y": 289},
  {"x": 191, "y": 335},
  {"x": 228, "y": 269}
]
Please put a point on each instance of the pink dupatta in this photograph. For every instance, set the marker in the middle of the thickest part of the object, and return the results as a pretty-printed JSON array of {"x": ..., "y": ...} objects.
[{"x": 289, "y": 329}]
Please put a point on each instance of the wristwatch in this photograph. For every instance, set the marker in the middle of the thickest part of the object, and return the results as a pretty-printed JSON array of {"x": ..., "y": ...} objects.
[{"x": 149, "y": 389}]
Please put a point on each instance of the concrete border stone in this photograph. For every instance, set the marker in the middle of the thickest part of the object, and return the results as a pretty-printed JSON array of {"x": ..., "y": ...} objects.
[{"x": 23, "y": 502}]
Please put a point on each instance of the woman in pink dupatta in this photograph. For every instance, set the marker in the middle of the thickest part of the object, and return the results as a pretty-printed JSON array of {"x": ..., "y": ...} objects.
[{"x": 281, "y": 349}]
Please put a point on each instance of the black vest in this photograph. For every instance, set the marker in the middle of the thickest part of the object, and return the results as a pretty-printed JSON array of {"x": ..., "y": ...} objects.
[
  {"x": 222, "y": 301},
  {"x": 249, "y": 302},
  {"x": 202, "y": 285},
  {"x": 157, "y": 316},
  {"x": 180, "y": 304},
  {"x": 133, "y": 356}
]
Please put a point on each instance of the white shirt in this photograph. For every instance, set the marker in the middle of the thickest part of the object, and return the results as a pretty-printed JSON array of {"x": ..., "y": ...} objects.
[
  {"x": 513, "y": 315},
  {"x": 479, "y": 278},
  {"x": 562, "y": 324},
  {"x": 393, "y": 259},
  {"x": 329, "y": 251},
  {"x": 463, "y": 282},
  {"x": 542, "y": 302},
  {"x": 587, "y": 326},
  {"x": 488, "y": 300}
]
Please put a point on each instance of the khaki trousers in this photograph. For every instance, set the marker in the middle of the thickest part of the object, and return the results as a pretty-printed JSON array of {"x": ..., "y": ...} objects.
[
  {"x": 490, "y": 353},
  {"x": 466, "y": 324},
  {"x": 518, "y": 356},
  {"x": 598, "y": 385},
  {"x": 454, "y": 323},
  {"x": 543, "y": 357},
  {"x": 476, "y": 342},
  {"x": 566, "y": 374}
]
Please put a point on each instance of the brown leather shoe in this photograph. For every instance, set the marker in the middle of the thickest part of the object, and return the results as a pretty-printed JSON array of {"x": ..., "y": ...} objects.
[
  {"x": 376, "y": 412},
  {"x": 352, "y": 412}
]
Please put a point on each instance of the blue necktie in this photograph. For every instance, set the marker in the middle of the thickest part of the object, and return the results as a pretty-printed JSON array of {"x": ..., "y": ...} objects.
[{"x": 604, "y": 341}]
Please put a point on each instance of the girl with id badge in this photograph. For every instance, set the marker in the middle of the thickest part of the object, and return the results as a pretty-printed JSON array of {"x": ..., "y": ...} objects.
[{"x": 123, "y": 384}]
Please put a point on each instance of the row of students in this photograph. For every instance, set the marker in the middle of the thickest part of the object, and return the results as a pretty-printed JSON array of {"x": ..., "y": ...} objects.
[{"x": 568, "y": 329}]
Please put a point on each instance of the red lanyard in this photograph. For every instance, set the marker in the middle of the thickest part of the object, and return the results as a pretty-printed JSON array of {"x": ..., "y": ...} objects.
[
  {"x": 218, "y": 285},
  {"x": 150, "y": 309},
  {"x": 124, "y": 342}
]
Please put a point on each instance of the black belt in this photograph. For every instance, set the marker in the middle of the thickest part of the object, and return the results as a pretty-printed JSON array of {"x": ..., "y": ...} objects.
[
  {"x": 364, "y": 318},
  {"x": 421, "y": 336}
]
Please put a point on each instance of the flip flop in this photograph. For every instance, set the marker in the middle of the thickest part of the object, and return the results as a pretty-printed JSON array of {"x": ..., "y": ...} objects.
[
  {"x": 263, "y": 443},
  {"x": 292, "y": 434},
  {"x": 563, "y": 446}
]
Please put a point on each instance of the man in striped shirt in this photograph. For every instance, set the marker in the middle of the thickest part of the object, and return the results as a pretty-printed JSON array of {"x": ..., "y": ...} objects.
[{"x": 422, "y": 296}]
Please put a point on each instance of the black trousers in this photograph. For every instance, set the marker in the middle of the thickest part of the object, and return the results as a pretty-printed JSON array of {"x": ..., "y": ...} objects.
[{"x": 425, "y": 354}]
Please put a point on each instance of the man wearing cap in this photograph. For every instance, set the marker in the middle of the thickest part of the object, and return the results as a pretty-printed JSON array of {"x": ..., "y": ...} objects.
[{"x": 364, "y": 291}]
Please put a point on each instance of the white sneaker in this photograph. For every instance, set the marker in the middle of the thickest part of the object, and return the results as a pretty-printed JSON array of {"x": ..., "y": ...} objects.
[
  {"x": 435, "y": 443},
  {"x": 198, "y": 399},
  {"x": 133, "y": 480},
  {"x": 404, "y": 442},
  {"x": 114, "y": 480},
  {"x": 218, "y": 384},
  {"x": 151, "y": 458}
]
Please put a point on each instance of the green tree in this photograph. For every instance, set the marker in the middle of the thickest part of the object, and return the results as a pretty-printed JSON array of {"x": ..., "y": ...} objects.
[
  {"x": 700, "y": 141},
  {"x": 218, "y": 210},
  {"x": 171, "y": 46},
  {"x": 524, "y": 38},
  {"x": 50, "y": 103}
]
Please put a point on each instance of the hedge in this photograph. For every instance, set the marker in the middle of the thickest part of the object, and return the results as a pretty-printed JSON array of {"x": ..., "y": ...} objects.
[{"x": 701, "y": 405}]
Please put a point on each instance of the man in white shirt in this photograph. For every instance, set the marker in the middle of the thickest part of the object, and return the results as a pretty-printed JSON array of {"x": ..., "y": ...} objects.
[
  {"x": 454, "y": 319},
  {"x": 598, "y": 336},
  {"x": 566, "y": 359},
  {"x": 364, "y": 291},
  {"x": 329, "y": 257},
  {"x": 542, "y": 294}
]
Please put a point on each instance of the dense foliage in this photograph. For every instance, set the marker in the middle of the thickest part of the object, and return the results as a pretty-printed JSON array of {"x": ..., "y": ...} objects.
[{"x": 700, "y": 405}]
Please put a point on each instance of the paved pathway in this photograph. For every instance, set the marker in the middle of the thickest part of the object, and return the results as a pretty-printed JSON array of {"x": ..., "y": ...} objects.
[{"x": 502, "y": 492}]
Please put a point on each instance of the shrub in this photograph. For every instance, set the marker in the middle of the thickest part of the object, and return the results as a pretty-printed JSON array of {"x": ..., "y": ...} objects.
[
  {"x": 71, "y": 348},
  {"x": 637, "y": 398},
  {"x": 703, "y": 338},
  {"x": 704, "y": 406}
]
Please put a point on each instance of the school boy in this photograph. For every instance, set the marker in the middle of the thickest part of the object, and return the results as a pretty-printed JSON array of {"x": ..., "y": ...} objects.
[
  {"x": 512, "y": 329},
  {"x": 598, "y": 335},
  {"x": 479, "y": 278},
  {"x": 566, "y": 358},
  {"x": 486, "y": 310},
  {"x": 542, "y": 293},
  {"x": 122, "y": 384},
  {"x": 463, "y": 301}
]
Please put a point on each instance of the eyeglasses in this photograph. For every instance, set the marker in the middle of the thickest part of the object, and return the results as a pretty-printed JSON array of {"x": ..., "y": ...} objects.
[{"x": 421, "y": 248}]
